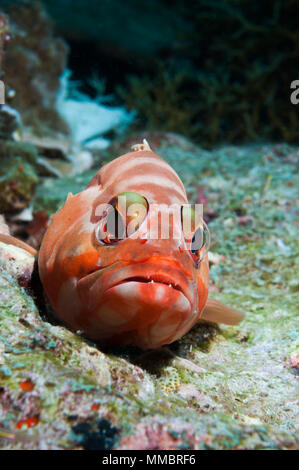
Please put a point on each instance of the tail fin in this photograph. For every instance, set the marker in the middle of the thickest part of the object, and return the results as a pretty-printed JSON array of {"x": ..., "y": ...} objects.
[{"x": 217, "y": 312}]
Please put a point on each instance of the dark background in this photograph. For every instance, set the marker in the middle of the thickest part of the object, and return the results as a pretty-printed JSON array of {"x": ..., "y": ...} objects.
[{"x": 216, "y": 71}]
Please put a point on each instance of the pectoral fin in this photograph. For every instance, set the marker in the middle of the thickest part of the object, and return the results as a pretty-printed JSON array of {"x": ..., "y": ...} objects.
[{"x": 217, "y": 312}]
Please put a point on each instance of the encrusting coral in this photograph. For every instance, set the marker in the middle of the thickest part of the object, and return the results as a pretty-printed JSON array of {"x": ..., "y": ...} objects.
[
  {"x": 4, "y": 37},
  {"x": 17, "y": 184},
  {"x": 34, "y": 138},
  {"x": 42, "y": 58}
]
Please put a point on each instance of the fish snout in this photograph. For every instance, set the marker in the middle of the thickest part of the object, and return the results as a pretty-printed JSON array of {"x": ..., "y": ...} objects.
[{"x": 145, "y": 304}]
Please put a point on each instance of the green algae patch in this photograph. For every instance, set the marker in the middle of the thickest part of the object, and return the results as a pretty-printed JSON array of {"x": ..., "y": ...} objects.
[
  {"x": 17, "y": 183},
  {"x": 51, "y": 193}
]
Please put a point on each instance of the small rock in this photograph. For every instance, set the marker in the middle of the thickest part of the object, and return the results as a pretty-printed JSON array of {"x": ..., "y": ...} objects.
[
  {"x": 10, "y": 121},
  {"x": 294, "y": 359},
  {"x": 16, "y": 262},
  {"x": 4, "y": 229},
  {"x": 215, "y": 258},
  {"x": 244, "y": 220},
  {"x": 48, "y": 147}
]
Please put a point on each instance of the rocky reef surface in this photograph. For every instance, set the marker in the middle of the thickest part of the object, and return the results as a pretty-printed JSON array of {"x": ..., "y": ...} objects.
[{"x": 218, "y": 387}]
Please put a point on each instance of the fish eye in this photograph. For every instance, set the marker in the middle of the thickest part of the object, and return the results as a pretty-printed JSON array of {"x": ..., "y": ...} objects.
[
  {"x": 190, "y": 219},
  {"x": 199, "y": 243},
  {"x": 134, "y": 208},
  {"x": 196, "y": 233},
  {"x": 124, "y": 216}
]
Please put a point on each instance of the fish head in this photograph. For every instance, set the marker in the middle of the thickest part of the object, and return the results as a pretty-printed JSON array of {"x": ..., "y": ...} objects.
[{"x": 132, "y": 266}]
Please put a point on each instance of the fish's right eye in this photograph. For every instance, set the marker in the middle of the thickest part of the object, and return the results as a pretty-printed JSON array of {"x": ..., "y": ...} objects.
[
  {"x": 111, "y": 228},
  {"x": 196, "y": 233},
  {"x": 123, "y": 216},
  {"x": 134, "y": 209}
]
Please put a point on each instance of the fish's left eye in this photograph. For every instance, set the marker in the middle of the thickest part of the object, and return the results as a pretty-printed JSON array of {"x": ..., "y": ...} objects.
[
  {"x": 200, "y": 243},
  {"x": 196, "y": 233}
]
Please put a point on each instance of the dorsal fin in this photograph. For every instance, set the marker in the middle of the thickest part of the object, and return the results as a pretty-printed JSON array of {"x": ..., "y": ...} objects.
[{"x": 144, "y": 146}]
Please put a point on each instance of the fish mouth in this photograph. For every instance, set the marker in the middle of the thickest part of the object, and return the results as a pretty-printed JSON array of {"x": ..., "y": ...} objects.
[
  {"x": 144, "y": 273},
  {"x": 173, "y": 283},
  {"x": 153, "y": 279}
]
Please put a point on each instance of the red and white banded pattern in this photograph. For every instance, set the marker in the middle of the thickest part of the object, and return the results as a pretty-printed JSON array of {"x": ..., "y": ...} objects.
[{"x": 141, "y": 291}]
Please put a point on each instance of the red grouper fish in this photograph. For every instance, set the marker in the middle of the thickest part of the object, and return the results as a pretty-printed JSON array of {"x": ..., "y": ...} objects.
[{"x": 110, "y": 272}]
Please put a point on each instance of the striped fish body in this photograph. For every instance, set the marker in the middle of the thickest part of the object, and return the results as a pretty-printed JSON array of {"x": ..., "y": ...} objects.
[{"x": 140, "y": 290}]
